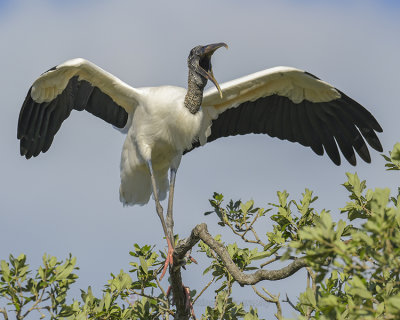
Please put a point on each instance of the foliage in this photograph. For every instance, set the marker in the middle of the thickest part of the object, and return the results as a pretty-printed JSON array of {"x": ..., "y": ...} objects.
[
  {"x": 46, "y": 291},
  {"x": 353, "y": 264}
]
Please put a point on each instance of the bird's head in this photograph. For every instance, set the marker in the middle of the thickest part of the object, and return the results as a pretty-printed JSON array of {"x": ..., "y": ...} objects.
[{"x": 199, "y": 62}]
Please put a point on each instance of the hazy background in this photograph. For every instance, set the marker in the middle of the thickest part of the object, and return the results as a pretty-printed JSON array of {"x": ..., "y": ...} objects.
[{"x": 67, "y": 199}]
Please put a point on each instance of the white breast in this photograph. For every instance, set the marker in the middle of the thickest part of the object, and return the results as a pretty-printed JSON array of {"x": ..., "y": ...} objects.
[{"x": 162, "y": 122}]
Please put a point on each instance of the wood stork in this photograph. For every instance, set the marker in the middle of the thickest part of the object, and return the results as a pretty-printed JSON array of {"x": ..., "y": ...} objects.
[{"x": 163, "y": 123}]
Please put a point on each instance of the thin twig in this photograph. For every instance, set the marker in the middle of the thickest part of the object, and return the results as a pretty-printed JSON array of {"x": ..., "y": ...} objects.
[
  {"x": 4, "y": 312},
  {"x": 204, "y": 289},
  {"x": 35, "y": 304},
  {"x": 290, "y": 303},
  {"x": 159, "y": 284},
  {"x": 313, "y": 279},
  {"x": 277, "y": 303},
  {"x": 261, "y": 295},
  {"x": 256, "y": 236},
  {"x": 150, "y": 297},
  {"x": 42, "y": 315},
  {"x": 277, "y": 257},
  {"x": 311, "y": 275},
  {"x": 272, "y": 299},
  {"x": 269, "y": 261},
  {"x": 253, "y": 231},
  {"x": 242, "y": 235},
  {"x": 161, "y": 288},
  {"x": 228, "y": 293},
  {"x": 251, "y": 224}
]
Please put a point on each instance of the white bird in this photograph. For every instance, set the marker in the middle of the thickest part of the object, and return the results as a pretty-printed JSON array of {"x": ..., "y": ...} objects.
[{"x": 163, "y": 123}]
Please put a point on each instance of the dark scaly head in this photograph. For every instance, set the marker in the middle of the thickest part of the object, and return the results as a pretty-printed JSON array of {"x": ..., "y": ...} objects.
[
  {"x": 199, "y": 63},
  {"x": 200, "y": 71}
]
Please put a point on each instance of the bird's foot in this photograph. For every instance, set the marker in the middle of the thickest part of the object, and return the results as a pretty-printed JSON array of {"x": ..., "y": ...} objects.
[{"x": 169, "y": 259}]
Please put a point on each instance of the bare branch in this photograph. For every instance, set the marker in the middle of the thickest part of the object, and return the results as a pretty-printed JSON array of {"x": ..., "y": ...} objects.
[
  {"x": 201, "y": 232},
  {"x": 312, "y": 275},
  {"x": 276, "y": 258},
  {"x": 272, "y": 299},
  {"x": 159, "y": 284},
  {"x": 269, "y": 300},
  {"x": 34, "y": 306},
  {"x": 256, "y": 236},
  {"x": 204, "y": 289},
  {"x": 4, "y": 312},
  {"x": 228, "y": 291},
  {"x": 242, "y": 235},
  {"x": 290, "y": 303},
  {"x": 270, "y": 261}
]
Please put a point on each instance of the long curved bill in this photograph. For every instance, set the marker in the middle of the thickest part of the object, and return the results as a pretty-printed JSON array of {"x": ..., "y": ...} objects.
[{"x": 208, "y": 50}]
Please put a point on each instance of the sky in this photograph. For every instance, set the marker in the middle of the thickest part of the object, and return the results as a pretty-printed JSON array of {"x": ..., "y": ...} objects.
[{"x": 66, "y": 201}]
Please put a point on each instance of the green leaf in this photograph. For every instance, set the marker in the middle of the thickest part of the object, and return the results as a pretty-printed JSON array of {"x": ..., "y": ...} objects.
[
  {"x": 245, "y": 207},
  {"x": 260, "y": 255},
  {"x": 393, "y": 303},
  {"x": 5, "y": 270},
  {"x": 395, "y": 154},
  {"x": 143, "y": 264},
  {"x": 331, "y": 301},
  {"x": 64, "y": 271},
  {"x": 311, "y": 297},
  {"x": 107, "y": 301},
  {"x": 379, "y": 200},
  {"x": 340, "y": 227},
  {"x": 282, "y": 196}
]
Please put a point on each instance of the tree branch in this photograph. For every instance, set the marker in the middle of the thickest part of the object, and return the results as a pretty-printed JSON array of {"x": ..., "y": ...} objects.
[
  {"x": 38, "y": 300},
  {"x": 290, "y": 303},
  {"x": 273, "y": 299},
  {"x": 242, "y": 235},
  {"x": 178, "y": 294},
  {"x": 201, "y": 232},
  {"x": 204, "y": 289},
  {"x": 4, "y": 312}
]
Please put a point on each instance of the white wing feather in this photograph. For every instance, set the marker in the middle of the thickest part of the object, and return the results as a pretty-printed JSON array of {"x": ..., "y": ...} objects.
[
  {"x": 290, "y": 82},
  {"x": 52, "y": 83}
]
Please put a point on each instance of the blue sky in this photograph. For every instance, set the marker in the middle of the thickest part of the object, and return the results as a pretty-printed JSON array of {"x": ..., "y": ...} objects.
[{"x": 67, "y": 199}]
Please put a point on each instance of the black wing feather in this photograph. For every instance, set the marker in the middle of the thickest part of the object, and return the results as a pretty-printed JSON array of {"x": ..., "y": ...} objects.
[
  {"x": 325, "y": 125},
  {"x": 39, "y": 122},
  {"x": 298, "y": 135}
]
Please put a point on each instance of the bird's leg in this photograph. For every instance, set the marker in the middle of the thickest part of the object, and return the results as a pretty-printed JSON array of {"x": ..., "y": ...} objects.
[
  {"x": 155, "y": 193},
  {"x": 170, "y": 220},
  {"x": 159, "y": 210}
]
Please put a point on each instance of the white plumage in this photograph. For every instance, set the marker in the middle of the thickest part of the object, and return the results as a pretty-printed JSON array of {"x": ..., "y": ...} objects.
[{"x": 154, "y": 135}]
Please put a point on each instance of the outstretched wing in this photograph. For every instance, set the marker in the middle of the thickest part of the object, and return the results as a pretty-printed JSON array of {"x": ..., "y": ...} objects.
[
  {"x": 292, "y": 105},
  {"x": 76, "y": 84}
]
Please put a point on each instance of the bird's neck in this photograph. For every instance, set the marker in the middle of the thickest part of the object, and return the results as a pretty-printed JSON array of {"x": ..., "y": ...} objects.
[{"x": 194, "y": 94}]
